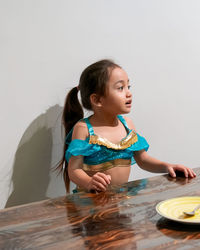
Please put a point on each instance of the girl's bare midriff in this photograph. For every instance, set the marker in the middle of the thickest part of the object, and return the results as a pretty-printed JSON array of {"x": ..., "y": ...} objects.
[{"x": 119, "y": 175}]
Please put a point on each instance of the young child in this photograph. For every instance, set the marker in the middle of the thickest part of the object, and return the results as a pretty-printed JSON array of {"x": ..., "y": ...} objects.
[{"x": 100, "y": 149}]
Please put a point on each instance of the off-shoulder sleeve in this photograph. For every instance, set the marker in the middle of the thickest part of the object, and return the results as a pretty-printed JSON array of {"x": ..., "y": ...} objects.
[
  {"x": 80, "y": 147},
  {"x": 140, "y": 144}
]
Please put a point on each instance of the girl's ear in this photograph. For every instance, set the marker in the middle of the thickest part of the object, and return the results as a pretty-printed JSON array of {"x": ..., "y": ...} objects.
[{"x": 95, "y": 100}]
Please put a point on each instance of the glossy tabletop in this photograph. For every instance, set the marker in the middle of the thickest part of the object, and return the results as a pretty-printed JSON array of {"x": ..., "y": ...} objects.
[{"x": 124, "y": 217}]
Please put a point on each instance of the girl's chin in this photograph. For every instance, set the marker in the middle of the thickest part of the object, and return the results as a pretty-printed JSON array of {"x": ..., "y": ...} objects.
[{"x": 125, "y": 112}]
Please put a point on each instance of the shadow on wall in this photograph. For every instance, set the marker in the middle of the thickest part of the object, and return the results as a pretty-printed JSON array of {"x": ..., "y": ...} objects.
[{"x": 35, "y": 158}]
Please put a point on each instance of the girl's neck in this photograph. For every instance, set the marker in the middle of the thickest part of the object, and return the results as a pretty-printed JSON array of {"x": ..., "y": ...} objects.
[{"x": 104, "y": 119}]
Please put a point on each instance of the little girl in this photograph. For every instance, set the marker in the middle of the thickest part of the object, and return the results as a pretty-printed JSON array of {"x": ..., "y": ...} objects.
[{"x": 100, "y": 149}]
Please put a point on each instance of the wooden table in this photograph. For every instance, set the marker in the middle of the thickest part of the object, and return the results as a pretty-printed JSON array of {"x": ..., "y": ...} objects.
[{"x": 122, "y": 218}]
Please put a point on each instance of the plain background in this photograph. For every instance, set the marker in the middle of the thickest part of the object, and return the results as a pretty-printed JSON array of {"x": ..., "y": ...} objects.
[{"x": 45, "y": 45}]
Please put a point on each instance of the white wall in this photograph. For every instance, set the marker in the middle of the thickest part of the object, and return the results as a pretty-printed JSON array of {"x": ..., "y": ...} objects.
[{"x": 44, "y": 46}]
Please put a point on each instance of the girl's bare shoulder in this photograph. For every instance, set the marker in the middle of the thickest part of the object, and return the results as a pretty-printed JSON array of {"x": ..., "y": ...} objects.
[
  {"x": 129, "y": 123},
  {"x": 80, "y": 130}
]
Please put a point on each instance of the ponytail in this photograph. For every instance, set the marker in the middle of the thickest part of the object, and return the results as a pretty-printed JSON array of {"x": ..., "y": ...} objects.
[{"x": 72, "y": 113}]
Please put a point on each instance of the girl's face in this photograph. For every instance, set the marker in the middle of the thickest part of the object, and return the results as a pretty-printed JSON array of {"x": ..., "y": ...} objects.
[{"x": 118, "y": 98}]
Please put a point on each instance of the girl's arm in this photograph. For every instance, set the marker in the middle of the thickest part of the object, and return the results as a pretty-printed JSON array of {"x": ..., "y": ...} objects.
[
  {"x": 98, "y": 181},
  {"x": 151, "y": 164}
]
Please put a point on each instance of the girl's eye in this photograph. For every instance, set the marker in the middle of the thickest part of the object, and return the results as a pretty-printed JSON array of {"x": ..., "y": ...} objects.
[
  {"x": 129, "y": 86},
  {"x": 121, "y": 88}
]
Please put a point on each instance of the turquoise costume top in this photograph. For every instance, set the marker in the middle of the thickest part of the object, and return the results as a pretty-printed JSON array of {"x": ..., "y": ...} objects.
[{"x": 101, "y": 154}]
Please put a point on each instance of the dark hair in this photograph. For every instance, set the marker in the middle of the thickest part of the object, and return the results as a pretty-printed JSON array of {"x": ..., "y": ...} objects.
[{"x": 93, "y": 80}]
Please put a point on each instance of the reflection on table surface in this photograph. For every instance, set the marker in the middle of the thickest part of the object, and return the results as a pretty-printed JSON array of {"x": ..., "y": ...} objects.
[{"x": 124, "y": 217}]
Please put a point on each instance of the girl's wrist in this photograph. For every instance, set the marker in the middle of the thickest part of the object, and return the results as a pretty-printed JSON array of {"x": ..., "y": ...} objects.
[
  {"x": 89, "y": 184},
  {"x": 166, "y": 167}
]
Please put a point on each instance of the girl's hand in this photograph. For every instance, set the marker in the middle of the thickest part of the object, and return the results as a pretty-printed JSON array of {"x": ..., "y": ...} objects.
[
  {"x": 99, "y": 182},
  {"x": 188, "y": 172}
]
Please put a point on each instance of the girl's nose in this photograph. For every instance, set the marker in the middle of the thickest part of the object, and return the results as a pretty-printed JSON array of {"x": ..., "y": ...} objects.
[{"x": 128, "y": 92}]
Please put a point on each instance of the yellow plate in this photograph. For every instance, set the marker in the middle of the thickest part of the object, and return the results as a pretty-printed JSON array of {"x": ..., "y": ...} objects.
[{"x": 173, "y": 209}]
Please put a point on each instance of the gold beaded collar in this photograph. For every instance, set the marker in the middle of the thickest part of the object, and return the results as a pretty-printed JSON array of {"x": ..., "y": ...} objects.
[{"x": 129, "y": 140}]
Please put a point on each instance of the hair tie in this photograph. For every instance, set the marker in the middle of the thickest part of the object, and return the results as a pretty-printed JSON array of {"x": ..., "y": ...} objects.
[{"x": 77, "y": 88}]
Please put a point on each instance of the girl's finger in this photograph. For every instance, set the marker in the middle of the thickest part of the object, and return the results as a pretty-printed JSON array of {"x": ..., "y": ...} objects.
[
  {"x": 194, "y": 173},
  {"x": 109, "y": 178},
  {"x": 104, "y": 177},
  {"x": 172, "y": 172},
  {"x": 99, "y": 179},
  {"x": 191, "y": 173},
  {"x": 99, "y": 185},
  {"x": 185, "y": 172}
]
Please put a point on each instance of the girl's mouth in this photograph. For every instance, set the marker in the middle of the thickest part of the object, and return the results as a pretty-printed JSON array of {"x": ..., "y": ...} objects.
[{"x": 128, "y": 102}]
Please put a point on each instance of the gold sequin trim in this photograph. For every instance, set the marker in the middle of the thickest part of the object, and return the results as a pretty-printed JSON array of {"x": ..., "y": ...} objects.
[
  {"x": 125, "y": 143},
  {"x": 107, "y": 165}
]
